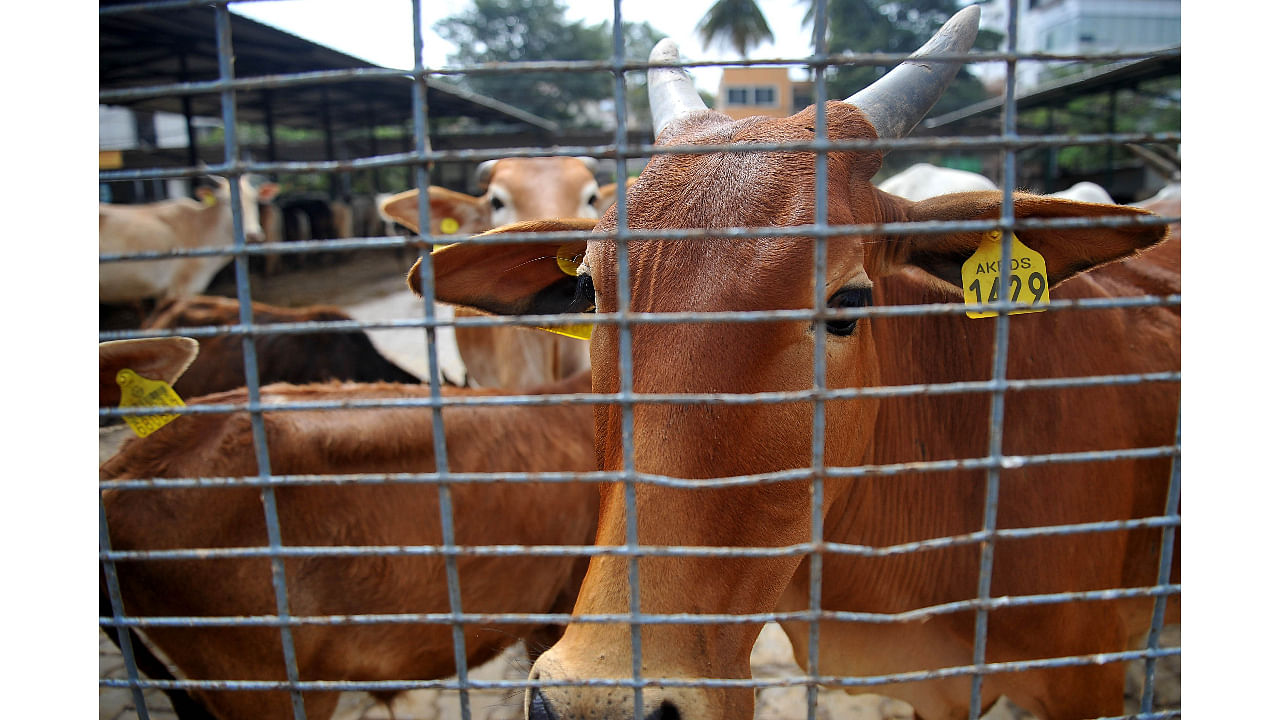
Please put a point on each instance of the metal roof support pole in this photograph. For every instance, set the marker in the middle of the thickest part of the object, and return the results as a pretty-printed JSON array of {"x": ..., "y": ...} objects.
[
  {"x": 1111, "y": 130},
  {"x": 327, "y": 117},
  {"x": 193, "y": 152},
  {"x": 269, "y": 118},
  {"x": 1051, "y": 160},
  {"x": 375, "y": 174}
]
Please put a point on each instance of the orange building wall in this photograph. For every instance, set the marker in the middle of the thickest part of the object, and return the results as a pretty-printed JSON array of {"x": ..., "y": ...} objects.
[{"x": 752, "y": 77}]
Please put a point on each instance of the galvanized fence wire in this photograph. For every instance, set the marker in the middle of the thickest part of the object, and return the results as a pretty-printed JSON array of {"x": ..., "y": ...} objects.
[{"x": 1008, "y": 142}]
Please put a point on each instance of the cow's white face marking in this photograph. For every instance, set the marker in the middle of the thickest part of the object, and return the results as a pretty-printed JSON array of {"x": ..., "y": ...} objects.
[
  {"x": 501, "y": 208},
  {"x": 587, "y": 207}
]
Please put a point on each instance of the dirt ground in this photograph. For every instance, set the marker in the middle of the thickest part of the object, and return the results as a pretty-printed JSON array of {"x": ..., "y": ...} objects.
[{"x": 370, "y": 286}]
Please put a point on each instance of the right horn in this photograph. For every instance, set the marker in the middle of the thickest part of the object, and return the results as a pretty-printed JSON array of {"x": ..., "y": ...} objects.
[
  {"x": 898, "y": 101},
  {"x": 671, "y": 91}
]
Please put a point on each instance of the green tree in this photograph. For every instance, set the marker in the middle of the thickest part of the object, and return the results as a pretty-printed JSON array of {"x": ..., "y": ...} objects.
[
  {"x": 529, "y": 30},
  {"x": 495, "y": 31},
  {"x": 737, "y": 23},
  {"x": 890, "y": 26}
]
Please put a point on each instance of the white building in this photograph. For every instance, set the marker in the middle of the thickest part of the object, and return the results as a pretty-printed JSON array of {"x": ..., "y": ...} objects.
[
  {"x": 1070, "y": 27},
  {"x": 122, "y": 129}
]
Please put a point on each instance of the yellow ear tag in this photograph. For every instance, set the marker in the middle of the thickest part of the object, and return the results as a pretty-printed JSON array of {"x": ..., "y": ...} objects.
[
  {"x": 137, "y": 391},
  {"x": 567, "y": 260},
  {"x": 209, "y": 200},
  {"x": 578, "y": 332},
  {"x": 568, "y": 263},
  {"x": 449, "y": 226},
  {"x": 1028, "y": 277}
]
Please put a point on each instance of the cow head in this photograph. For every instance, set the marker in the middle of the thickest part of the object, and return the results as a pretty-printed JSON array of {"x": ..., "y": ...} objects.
[
  {"x": 693, "y": 441},
  {"x": 251, "y": 194},
  {"x": 515, "y": 190}
]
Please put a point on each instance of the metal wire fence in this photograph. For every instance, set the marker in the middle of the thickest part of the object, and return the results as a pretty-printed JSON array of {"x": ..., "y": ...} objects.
[{"x": 1007, "y": 143}]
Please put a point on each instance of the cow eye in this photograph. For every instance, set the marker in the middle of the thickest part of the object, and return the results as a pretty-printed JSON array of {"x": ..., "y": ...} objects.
[
  {"x": 496, "y": 202},
  {"x": 593, "y": 199},
  {"x": 847, "y": 298}
]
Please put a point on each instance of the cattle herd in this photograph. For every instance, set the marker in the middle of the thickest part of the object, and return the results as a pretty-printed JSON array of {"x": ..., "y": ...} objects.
[{"x": 899, "y": 487}]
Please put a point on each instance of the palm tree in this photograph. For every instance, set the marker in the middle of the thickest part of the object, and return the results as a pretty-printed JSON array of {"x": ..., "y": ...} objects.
[{"x": 736, "y": 22}]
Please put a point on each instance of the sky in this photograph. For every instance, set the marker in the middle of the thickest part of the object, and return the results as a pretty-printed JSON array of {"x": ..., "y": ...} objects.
[{"x": 381, "y": 31}]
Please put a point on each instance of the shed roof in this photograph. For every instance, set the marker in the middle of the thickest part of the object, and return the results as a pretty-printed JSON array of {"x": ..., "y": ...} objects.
[
  {"x": 179, "y": 44},
  {"x": 1056, "y": 94}
]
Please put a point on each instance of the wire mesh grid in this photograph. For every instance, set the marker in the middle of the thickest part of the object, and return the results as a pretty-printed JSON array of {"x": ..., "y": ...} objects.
[{"x": 287, "y": 620}]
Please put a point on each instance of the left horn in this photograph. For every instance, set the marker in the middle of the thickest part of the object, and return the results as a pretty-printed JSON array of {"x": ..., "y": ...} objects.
[
  {"x": 671, "y": 91},
  {"x": 897, "y": 102},
  {"x": 484, "y": 171}
]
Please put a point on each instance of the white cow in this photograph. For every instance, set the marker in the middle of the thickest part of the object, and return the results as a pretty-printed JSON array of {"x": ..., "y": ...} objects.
[
  {"x": 1086, "y": 192},
  {"x": 922, "y": 180},
  {"x": 173, "y": 225}
]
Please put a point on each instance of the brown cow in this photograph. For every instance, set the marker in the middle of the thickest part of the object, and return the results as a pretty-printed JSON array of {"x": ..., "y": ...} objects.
[
  {"x": 701, "y": 441},
  {"x": 283, "y": 357},
  {"x": 393, "y": 514},
  {"x": 517, "y": 189}
]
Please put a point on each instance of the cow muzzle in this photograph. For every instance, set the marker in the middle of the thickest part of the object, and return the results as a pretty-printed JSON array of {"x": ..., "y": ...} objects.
[
  {"x": 613, "y": 704},
  {"x": 559, "y": 699}
]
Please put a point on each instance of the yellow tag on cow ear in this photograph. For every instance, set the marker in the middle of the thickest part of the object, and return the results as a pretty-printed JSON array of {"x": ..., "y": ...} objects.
[
  {"x": 208, "y": 199},
  {"x": 1028, "y": 277},
  {"x": 568, "y": 260},
  {"x": 137, "y": 391},
  {"x": 578, "y": 332},
  {"x": 449, "y": 226}
]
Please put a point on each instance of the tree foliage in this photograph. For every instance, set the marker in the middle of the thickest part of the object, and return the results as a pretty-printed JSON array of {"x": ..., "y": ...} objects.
[
  {"x": 737, "y": 23},
  {"x": 892, "y": 26},
  {"x": 505, "y": 31}
]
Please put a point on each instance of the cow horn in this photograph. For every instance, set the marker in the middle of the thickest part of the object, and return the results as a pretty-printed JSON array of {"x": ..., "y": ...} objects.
[
  {"x": 484, "y": 171},
  {"x": 898, "y": 101},
  {"x": 671, "y": 91}
]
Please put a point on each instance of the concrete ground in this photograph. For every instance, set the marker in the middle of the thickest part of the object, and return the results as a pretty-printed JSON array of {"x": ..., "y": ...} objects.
[{"x": 771, "y": 658}]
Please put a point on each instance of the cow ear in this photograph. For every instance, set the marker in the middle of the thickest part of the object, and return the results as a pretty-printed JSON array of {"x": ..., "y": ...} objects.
[
  {"x": 1066, "y": 251},
  {"x": 451, "y": 212},
  {"x": 152, "y": 358},
  {"x": 267, "y": 192},
  {"x": 206, "y": 195},
  {"x": 516, "y": 278}
]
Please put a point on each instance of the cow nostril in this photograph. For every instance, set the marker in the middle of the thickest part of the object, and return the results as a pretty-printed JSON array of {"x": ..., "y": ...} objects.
[
  {"x": 665, "y": 711},
  {"x": 539, "y": 708}
]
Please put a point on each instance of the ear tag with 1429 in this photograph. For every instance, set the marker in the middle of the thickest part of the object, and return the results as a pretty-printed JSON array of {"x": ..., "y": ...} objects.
[{"x": 1028, "y": 277}]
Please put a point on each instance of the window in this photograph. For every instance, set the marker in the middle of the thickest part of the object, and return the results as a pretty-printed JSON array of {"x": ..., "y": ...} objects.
[{"x": 759, "y": 95}]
